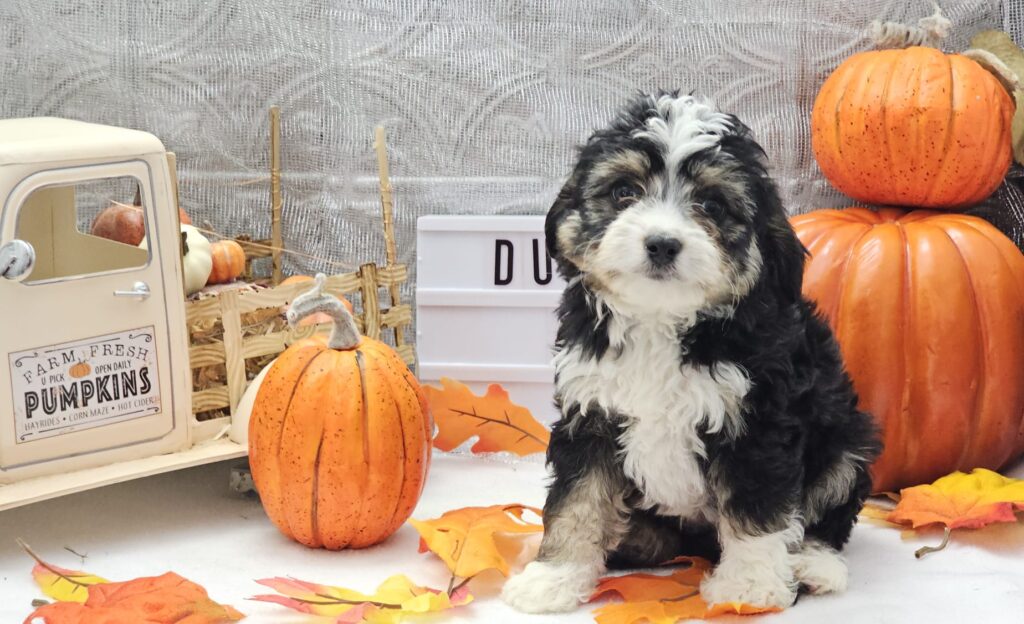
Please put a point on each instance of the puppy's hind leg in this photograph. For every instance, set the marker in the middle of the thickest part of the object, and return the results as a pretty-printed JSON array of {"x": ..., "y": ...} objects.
[
  {"x": 584, "y": 518},
  {"x": 652, "y": 540}
]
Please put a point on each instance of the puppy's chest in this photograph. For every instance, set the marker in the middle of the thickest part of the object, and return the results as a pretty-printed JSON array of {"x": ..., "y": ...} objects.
[{"x": 665, "y": 405}]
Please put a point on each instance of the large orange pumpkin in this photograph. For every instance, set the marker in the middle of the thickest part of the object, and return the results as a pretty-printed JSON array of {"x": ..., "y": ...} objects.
[
  {"x": 339, "y": 436},
  {"x": 928, "y": 308},
  {"x": 913, "y": 127}
]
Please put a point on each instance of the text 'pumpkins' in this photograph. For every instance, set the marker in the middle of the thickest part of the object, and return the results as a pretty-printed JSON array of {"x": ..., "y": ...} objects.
[
  {"x": 913, "y": 127},
  {"x": 928, "y": 308},
  {"x": 339, "y": 437}
]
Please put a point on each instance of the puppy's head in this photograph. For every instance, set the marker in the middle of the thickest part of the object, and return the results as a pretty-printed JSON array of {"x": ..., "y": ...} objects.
[{"x": 670, "y": 211}]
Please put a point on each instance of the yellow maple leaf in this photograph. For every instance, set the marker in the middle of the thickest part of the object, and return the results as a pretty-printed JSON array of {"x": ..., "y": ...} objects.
[
  {"x": 499, "y": 424},
  {"x": 394, "y": 599},
  {"x": 465, "y": 538},
  {"x": 960, "y": 501},
  {"x": 663, "y": 599}
]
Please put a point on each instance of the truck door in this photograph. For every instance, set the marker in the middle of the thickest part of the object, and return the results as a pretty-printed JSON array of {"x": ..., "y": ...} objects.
[{"x": 84, "y": 330}]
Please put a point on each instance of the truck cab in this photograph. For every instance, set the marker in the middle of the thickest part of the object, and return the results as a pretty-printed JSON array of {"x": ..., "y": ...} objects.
[{"x": 94, "y": 360}]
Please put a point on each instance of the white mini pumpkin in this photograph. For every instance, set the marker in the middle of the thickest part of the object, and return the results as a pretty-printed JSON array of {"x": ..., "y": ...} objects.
[{"x": 197, "y": 258}]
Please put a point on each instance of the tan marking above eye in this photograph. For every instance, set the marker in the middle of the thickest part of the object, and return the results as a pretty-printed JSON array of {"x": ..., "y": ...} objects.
[{"x": 624, "y": 163}]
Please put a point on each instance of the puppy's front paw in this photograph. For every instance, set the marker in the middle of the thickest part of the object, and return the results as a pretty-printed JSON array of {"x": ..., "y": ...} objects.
[
  {"x": 756, "y": 586},
  {"x": 821, "y": 569},
  {"x": 547, "y": 587}
]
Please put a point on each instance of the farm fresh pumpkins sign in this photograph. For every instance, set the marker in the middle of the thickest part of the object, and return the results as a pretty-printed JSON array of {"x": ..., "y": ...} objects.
[
  {"x": 486, "y": 294},
  {"x": 84, "y": 384}
]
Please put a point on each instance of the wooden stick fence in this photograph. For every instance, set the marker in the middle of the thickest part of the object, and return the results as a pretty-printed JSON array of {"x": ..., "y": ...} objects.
[{"x": 234, "y": 328}]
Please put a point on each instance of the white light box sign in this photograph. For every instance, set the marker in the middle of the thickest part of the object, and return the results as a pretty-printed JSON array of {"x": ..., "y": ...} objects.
[{"x": 486, "y": 294}]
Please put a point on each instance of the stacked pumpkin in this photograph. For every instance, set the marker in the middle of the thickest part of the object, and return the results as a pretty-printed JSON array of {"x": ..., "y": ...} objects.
[{"x": 927, "y": 304}]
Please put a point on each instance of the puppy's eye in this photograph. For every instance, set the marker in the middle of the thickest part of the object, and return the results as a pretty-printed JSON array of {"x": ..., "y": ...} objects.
[
  {"x": 625, "y": 193},
  {"x": 713, "y": 208}
]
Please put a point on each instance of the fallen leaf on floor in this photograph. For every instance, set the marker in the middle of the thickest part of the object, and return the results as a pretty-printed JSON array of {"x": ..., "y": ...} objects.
[
  {"x": 395, "y": 598},
  {"x": 662, "y": 599},
  {"x": 85, "y": 598},
  {"x": 500, "y": 424},
  {"x": 960, "y": 501},
  {"x": 879, "y": 513},
  {"x": 62, "y": 584},
  {"x": 465, "y": 538},
  {"x": 165, "y": 599}
]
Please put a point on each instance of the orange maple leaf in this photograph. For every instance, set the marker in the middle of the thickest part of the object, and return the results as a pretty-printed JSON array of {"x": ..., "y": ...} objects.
[
  {"x": 165, "y": 599},
  {"x": 662, "y": 599},
  {"x": 500, "y": 424},
  {"x": 960, "y": 501},
  {"x": 465, "y": 539}
]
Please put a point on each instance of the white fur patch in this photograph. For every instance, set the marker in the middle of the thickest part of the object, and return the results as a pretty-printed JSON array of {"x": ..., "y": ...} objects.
[
  {"x": 685, "y": 126},
  {"x": 549, "y": 587},
  {"x": 755, "y": 569},
  {"x": 820, "y": 568},
  {"x": 665, "y": 402}
]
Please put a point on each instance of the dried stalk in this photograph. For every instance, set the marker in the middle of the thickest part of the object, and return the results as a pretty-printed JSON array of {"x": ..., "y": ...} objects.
[{"x": 388, "y": 212}]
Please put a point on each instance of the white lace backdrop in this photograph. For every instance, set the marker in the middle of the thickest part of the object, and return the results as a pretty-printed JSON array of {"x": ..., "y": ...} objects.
[{"x": 484, "y": 100}]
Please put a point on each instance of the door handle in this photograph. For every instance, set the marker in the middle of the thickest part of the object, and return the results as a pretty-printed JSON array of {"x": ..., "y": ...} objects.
[
  {"x": 17, "y": 257},
  {"x": 139, "y": 289}
]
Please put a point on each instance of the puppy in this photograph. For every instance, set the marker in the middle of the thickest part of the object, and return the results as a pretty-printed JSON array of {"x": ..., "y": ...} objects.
[{"x": 704, "y": 404}]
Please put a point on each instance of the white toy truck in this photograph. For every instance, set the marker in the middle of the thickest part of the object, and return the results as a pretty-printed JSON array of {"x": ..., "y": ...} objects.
[{"x": 95, "y": 380}]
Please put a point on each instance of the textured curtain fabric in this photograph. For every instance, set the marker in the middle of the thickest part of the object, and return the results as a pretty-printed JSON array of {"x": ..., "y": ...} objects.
[{"x": 484, "y": 100}]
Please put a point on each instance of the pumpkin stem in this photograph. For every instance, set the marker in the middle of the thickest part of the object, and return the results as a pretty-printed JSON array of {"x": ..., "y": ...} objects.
[
  {"x": 345, "y": 335},
  {"x": 929, "y": 32}
]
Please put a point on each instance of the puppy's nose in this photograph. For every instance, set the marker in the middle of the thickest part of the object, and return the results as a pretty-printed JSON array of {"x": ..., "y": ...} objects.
[{"x": 662, "y": 250}]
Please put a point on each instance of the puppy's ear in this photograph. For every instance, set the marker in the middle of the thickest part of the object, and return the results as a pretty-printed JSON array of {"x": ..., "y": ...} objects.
[
  {"x": 782, "y": 253},
  {"x": 563, "y": 204}
]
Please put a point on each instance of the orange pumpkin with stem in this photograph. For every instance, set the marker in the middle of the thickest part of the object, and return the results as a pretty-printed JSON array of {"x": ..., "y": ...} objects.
[
  {"x": 913, "y": 127},
  {"x": 928, "y": 309},
  {"x": 339, "y": 436}
]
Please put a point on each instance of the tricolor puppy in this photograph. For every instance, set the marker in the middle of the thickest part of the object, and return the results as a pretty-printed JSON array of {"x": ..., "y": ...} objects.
[{"x": 704, "y": 404}]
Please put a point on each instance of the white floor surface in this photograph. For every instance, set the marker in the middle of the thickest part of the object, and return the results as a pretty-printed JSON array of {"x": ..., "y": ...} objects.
[{"x": 191, "y": 523}]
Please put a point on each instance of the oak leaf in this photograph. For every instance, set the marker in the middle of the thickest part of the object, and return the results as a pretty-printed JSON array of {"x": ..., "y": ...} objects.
[
  {"x": 960, "y": 501},
  {"x": 499, "y": 424},
  {"x": 164, "y": 599},
  {"x": 663, "y": 599},
  {"x": 465, "y": 538},
  {"x": 395, "y": 598}
]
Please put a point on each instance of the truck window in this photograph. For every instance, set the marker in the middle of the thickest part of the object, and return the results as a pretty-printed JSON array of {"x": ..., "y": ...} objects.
[{"x": 85, "y": 228}]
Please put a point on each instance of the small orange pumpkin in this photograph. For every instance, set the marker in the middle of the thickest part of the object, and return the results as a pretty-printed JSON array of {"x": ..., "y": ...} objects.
[
  {"x": 913, "y": 127},
  {"x": 319, "y": 317},
  {"x": 228, "y": 261},
  {"x": 928, "y": 309},
  {"x": 339, "y": 436},
  {"x": 79, "y": 369}
]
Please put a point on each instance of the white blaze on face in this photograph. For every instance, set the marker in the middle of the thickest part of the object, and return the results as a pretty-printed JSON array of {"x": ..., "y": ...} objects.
[{"x": 684, "y": 126}]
